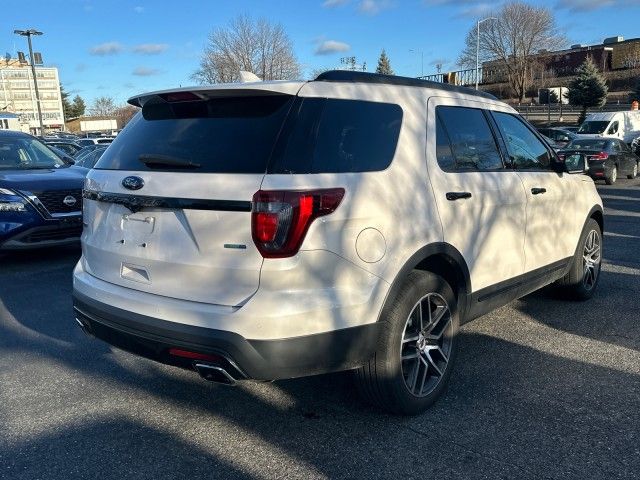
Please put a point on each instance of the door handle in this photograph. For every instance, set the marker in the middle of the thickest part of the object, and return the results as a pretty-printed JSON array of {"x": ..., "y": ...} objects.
[
  {"x": 537, "y": 190},
  {"x": 456, "y": 195}
]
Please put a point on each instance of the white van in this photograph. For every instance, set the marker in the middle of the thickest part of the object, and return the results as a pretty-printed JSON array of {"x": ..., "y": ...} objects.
[{"x": 622, "y": 125}]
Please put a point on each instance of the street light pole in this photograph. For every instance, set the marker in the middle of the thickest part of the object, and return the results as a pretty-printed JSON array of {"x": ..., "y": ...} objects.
[
  {"x": 478, "y": 48},
  {"x": 28, "y": 34}
]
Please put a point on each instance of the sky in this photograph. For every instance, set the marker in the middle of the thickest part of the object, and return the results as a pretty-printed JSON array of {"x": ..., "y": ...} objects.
[{"x": 120, "y": 48}]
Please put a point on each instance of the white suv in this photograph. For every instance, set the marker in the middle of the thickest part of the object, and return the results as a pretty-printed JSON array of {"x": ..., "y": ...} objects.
[{"x": 281, "y": 229}]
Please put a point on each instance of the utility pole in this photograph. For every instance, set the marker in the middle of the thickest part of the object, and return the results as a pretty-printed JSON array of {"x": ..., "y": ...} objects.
[
  {"x": 28, "y": 34},
  {"x": 560, "y": 100},
  {"x": 478, "y": 48}
]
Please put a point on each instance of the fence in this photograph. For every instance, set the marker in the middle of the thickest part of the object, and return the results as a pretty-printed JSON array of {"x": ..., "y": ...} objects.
[{"x": 565, "y": 113}]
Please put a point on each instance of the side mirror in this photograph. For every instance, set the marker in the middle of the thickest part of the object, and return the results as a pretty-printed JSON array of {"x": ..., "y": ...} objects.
[
  {"x": 68, "y": 160},
  {"x": 576, "y": 163}
]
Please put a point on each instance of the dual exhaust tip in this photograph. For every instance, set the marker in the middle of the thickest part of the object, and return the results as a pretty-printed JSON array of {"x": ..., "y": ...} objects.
[{"x": 213, "y": 373}]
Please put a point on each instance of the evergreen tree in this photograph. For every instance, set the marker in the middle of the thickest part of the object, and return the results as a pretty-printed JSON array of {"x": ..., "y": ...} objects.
[
  {"x": 384, "y": 66},
  {"x": 78, "y": 106},
  {"x": 66, "y": 105},
  {"x": 589, "y": 88}
]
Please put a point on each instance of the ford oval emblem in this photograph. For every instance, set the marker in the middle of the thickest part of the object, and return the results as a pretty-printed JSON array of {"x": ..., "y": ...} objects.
[{"x": 133, "y": 183}]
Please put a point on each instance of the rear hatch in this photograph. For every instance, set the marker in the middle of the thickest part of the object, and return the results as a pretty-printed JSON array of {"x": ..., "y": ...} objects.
[{"x": 180, "y": 225}]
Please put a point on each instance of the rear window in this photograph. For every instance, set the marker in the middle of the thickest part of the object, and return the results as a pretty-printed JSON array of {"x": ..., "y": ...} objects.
[
  {"x": 222, "y": 135},
  {"x": 324, "y": 135},
  {"x": 593, "y": 127},
  {"x": 588, "y": 145}
]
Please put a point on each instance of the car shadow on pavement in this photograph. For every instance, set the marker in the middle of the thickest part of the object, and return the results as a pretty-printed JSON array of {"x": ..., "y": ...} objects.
[
  {"x": 511, "y": 411},
  {"x": 612, "y": 318},
  {"x": 112, "y": 449}
]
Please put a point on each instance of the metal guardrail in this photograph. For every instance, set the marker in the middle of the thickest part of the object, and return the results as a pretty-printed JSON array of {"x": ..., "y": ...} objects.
[
  {"x": 566, "y": 114},
  {"x": 568, "y": 109}
]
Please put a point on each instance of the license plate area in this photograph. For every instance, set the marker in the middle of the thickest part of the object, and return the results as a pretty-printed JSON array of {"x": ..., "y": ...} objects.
[{"x": 137, "y": 227}]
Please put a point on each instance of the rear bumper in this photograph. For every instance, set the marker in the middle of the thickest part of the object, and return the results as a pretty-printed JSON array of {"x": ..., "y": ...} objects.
[
  {"x": 256, "y": 359},
  {"x": 599, "y": 170}
]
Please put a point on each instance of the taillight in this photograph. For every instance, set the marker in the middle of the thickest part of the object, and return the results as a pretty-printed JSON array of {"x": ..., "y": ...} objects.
[
  {"x": 280, "y": 219},
  {"x": 601, "y": 156}
]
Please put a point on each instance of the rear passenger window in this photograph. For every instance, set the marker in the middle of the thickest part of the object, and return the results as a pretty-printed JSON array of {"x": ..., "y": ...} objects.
[
  {"x": 337, "y": 136},
  {"x": 525, "y": 149},
  {"x": 464, "y": 140}
]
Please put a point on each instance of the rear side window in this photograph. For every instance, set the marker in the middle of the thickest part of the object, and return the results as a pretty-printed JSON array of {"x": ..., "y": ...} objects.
[
  {"x": 222, "y": 135},
  {"x": 471, "y": 142},
  {"x": 338, "y": 136},
  {"x": 525, "y": 149}
]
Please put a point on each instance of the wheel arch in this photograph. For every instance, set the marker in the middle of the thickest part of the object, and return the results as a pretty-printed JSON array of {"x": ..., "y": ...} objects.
[
  {"x": 598, "y": 215},
  {"x": 443, "y": 260}
]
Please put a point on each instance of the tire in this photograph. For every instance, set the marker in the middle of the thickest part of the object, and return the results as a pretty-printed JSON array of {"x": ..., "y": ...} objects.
[
  {"x": 611, "y": 179},
  {"x": 412, "y": 385},
  {"x": 574, "y": 282},
  {"x": 634, "y": 173}
]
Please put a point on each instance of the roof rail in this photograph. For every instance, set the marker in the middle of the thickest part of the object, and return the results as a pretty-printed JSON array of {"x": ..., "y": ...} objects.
[{"x": 366, "y": 77}]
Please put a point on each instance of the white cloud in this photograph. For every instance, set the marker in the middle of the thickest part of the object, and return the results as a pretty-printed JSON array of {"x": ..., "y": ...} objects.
[
  {"x": 328, "y": 47},
  {"x": 477, "y": 10},
  {"x": 107, "y": 48},
  {"x": 138, "y": 9},
  {"x": 146, "y": 72},
  {"x": 587, "y": 5},
  {"x": 150, "y": 48},
  {"x": 373, "y": 7},
  {"x": 334, "y": 3}
]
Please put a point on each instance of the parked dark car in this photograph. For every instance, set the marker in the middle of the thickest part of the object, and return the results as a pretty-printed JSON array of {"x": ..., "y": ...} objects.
[
  {"x": 607, "y": 158},
  {"x": 68, "y": 159},
  {"x": 561, "y": 136},
  {"x": 86, "y": 150},
  {"x": 88, "y": 161},
  {"x": 67, "y": 146},
  {"x": 40, "y": 195},
  {"x": 552, "y": 143},
  {"x": 85, "y": 142}
]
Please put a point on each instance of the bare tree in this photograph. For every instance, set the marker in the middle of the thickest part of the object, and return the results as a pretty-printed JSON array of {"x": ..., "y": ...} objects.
[
  {"x": 124, "y": 113},
  {"x": 103, "y": 106},
  {"x": 518, "y": 32},
  {"x": 257, "y": 46}
]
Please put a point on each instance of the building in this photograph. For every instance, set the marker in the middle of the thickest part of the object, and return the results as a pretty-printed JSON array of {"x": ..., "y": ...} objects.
[
  {"x": 612, "y": 55},
  {"x": 9, "y": 121},
  {"x": 94, "y": 124},
  {"x": 17, "y": 94}
]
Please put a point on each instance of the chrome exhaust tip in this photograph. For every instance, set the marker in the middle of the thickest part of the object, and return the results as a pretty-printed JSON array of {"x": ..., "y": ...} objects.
[
  {"x": 83, "y": 327},
  {"x": 215, "y": 374}
]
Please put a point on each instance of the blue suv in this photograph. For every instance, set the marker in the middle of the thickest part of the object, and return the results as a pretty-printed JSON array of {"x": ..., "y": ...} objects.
[{"x": 40, "y": 196}]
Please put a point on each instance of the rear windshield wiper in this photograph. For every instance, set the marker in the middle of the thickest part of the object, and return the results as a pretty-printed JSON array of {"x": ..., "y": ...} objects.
[{"x": 165, "y": 161}]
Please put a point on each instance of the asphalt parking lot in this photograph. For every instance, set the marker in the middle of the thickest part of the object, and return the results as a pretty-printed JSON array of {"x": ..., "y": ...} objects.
[{"x": 543, "y": 388}]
